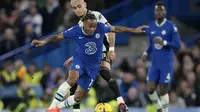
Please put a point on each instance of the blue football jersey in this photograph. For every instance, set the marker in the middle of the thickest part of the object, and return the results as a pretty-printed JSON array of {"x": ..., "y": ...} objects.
[
  {"x": 167, "y": 31},
  {"x": 89, "y": 48}
]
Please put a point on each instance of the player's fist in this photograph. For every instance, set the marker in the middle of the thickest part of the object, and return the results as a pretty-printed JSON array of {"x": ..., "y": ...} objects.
[
  {"x": 68, "y": 62},
  {"x": 140, "y": 29},
  {"x": 158, "y": 40},
  {"x": 37, "y": 43},
  {"x": 111, "y": 55}
]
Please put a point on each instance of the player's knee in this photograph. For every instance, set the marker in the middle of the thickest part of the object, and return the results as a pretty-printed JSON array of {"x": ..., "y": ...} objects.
[
  {"x": 150, "y": 90},
  {"x": 112, "y": 80},
  {"x": 163, "y": 91},
  {"x": 71, "y": 81},
  {"x": 105, "y": 73}
]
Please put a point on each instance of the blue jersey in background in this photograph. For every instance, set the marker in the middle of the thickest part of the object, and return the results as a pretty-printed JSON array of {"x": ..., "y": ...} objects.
[{"x": 162, "y": 55}]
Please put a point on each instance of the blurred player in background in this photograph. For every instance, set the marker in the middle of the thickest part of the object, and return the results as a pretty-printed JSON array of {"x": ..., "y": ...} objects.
[
  {"x": 86, "y": 63},
  {"x": 163, "y": 39},
  {"x": 80, "y": 9}
]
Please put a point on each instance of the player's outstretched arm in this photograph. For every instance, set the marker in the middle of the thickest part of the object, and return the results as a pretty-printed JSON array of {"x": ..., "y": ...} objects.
[
  {"x": 111, "y": 39},
  {"x": 52, "y": 38},
  {"x": 122, "y": 29}
]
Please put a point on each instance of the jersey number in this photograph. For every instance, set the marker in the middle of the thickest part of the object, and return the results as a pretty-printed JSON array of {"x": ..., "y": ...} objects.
[
  {"x": 90, "y": 48},
  {"x": 91, "y": 83}
]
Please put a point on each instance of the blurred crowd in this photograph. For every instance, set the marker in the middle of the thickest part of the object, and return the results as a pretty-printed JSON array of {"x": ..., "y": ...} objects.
[
  {"x": 24, "y": 20},
  {"x": 185, "y": 87}
]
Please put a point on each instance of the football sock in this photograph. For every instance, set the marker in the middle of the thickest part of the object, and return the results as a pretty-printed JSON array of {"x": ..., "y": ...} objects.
[
  {"x": 67, "y": 103},
  {"x": 165, "y": 102},
  {"x": 154, "y": 98},
  {"x": 61, "y": 92}
]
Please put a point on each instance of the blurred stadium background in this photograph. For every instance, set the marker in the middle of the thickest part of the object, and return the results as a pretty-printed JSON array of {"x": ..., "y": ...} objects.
[{"x": 29, "y": 76}]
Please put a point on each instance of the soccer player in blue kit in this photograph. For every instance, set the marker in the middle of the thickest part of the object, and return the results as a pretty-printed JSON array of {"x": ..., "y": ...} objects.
[
  {"x": 87, "y": 58},
  {"x": 163, "y": 39}
]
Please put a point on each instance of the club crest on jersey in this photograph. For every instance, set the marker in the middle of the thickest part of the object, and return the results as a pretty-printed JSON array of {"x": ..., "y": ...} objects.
[
  {"x": 158, "y": 46},
  {"x": 97, "y": 35},
  {"x": 164, "y": 32},
  {"x": 77, "y": 66}
]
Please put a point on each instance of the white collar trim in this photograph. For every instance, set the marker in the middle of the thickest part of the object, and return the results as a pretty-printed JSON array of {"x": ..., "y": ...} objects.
[
  {"x": 83, "y": 30},
  {"x": 160, "y": 25}
]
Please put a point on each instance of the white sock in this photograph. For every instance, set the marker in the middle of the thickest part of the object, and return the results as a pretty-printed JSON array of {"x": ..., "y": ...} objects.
[
  {"x": 67, "y": 103},
  {"x": 165, "y": 102},
  {"x": 76, "y": 110},
  {"x": 120, "y": 100},
  {"x": 61, "y": 92},
  {"x": 154, "y": 98}
]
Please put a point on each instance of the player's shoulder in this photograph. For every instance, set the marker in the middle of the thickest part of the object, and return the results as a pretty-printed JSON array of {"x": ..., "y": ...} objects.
[
  {"x": 99, "y": 24},
  {"x": 74, "y": 28},
  {"x": 96, "y": 13},
  {"x": 99, "y": 16},
  {"x": 172, "y": 25}
]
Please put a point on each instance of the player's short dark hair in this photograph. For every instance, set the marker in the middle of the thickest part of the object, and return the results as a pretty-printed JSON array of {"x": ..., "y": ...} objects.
[
  {"x": 160, "y": 3},
  {"x": 89, "y": 16}
]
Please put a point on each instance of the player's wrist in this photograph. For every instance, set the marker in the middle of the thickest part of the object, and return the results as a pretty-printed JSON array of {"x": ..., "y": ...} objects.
[
  {"x": 165, "y": 43},
  {"x": 111, "y": 48},
  {"x": 145, "y": 53}
]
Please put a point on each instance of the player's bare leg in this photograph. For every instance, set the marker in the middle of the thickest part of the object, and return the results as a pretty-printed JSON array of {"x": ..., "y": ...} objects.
[
  {"x": 106, "y": 75},
  {"x": 153, "y": 95},
  {"x": 63, "y": 89},
  {"x": 73, "y": 99},
  {"x": 164, "y": 97},
  {"x": 67, "y": 64}
]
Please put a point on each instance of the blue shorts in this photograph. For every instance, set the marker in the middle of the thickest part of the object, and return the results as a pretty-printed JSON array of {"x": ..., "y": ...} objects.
[
  {"x": 161, "y": 74},
  {"x": 88, "y": 73}
]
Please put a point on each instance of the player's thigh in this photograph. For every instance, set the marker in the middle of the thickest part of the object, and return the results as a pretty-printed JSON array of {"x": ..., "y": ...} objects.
[
  {"x": 153, "y": 75},
  {"x": 80, "y": 93},
  {"x": 106, "y": 64},
  {"x": 85, "y": 82},
  {"x": 164, "y": 89},
  {"x": 152, "y": 79},
  {"x": 166, "y": 75},
  {"x": 76, "y": 69}
]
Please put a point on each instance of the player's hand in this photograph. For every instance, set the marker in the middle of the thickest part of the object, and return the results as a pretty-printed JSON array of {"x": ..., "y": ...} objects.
[
  {"x": 111, "y": 55},
  {"x": 37, "y": 43},
  {"x": 144, "y": 57},
  {"x": 68, "y": 63},
  {"x": 140, "y": 29},
  {"x": 158, "y": 41}
]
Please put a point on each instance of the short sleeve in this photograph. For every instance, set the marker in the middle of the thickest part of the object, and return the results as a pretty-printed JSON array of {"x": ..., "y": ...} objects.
[
  {"x": 106, "y": 28},
  {"x": 70, "y": 33},
  {"x": 175, "y": 29}
]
